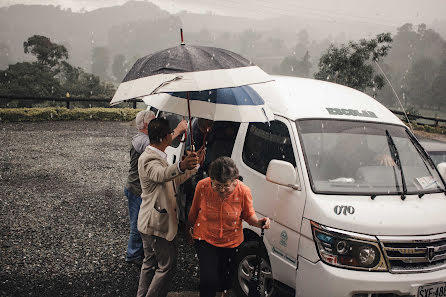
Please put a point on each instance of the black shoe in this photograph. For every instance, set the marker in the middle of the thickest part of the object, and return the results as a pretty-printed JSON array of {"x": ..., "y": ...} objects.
[{"x": 136, "y": 261}]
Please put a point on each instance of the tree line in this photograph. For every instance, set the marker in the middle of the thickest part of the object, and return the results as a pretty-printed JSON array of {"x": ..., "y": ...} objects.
[
  {"x": 414, "y": 61},
  {"x": 51, "y": 75}
]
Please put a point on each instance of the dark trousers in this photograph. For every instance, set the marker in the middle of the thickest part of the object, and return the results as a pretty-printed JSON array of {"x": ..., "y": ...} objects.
[
  {"x": 159, "y": 264},
  {"x": 216, "y": 268}
]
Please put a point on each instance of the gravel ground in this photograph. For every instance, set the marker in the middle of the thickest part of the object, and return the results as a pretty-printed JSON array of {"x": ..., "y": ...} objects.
[{"x": 64, "y": 217}]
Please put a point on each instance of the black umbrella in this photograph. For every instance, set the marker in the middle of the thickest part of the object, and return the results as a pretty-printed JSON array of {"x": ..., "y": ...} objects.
[{"x": 188, "y": 68}]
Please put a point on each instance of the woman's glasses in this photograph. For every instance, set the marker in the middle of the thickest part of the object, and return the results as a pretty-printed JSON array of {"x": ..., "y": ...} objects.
[{"x": 220, "y": 186}]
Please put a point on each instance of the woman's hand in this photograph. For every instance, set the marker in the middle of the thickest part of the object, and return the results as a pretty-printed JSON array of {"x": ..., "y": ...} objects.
[{"x": 264, "y": 223}]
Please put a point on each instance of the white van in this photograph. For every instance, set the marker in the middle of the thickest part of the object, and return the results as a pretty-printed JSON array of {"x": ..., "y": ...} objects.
[{"x": 346, "y": 220}]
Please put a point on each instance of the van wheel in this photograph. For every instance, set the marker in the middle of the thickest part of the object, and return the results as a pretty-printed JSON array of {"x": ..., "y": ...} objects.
[{"x": 245, "y": 262}]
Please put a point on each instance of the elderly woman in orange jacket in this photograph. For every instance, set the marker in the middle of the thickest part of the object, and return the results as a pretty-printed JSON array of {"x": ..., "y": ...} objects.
[{"x": 220, "y": 204}]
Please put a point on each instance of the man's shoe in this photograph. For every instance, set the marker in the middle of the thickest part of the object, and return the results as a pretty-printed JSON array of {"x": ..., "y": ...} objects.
[{"x": 136, "y": 261}]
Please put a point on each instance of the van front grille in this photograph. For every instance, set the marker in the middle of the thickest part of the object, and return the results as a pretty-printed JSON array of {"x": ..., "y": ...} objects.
[{"x": 414, "y": 254}]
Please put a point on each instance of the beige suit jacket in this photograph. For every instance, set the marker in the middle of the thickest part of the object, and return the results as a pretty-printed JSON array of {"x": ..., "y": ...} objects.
[{"x": 158, "y": 211}]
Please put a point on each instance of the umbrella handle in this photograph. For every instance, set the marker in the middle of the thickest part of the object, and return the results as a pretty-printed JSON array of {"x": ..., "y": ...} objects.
[{"x": 192, "y": 144}]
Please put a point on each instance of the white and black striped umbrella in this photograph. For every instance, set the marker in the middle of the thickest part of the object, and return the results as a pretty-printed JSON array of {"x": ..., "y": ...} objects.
[{"x": 187, "y": 68}]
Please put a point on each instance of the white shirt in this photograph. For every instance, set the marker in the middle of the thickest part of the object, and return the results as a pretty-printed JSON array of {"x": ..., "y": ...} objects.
[{"x": 164, "y": 156}]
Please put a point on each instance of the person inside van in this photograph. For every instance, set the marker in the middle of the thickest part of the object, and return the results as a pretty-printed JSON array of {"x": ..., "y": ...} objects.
[
  {"x": 349, "y": 154},
  {"x": 220, "y": 204}
]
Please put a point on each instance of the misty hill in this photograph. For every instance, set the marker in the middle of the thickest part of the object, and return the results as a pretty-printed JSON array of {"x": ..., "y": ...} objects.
[
  {"x": 137, "y": 28},
  {"x": 79, "y": 32}
]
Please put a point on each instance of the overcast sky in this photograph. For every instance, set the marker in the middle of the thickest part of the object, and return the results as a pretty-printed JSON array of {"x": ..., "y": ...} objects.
[{"x": 385, "y": 12}]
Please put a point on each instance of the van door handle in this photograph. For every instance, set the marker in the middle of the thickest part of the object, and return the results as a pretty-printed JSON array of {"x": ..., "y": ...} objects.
[
  {"x": 174, "y": 159},
  {"x": 294, "y": 187}
]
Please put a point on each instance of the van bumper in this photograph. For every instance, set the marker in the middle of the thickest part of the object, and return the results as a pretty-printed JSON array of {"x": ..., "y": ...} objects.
[{"x": 321, "y": 280}]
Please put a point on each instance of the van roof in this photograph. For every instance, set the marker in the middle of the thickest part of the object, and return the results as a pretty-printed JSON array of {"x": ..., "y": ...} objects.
[{"x": 301, "y": 98}]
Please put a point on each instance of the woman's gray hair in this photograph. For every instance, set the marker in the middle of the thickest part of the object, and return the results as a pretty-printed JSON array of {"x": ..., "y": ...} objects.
[
  {"x": 144, "y": 116},
  {"x": 223, "y": 169}
]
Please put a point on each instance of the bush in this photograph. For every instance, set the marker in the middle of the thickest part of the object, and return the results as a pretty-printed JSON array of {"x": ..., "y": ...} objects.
[
  {"x": 430, "y": 129},
  {"x": 62, "y": 114}
]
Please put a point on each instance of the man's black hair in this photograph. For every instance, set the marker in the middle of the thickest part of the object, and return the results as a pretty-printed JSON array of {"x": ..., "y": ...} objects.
[{"x": 158, "y": 129}]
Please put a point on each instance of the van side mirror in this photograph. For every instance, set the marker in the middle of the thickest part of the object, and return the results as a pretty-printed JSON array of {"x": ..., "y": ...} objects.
[
  {"x": 442, "y": 169},
  {"x": 282, "y": 173}
]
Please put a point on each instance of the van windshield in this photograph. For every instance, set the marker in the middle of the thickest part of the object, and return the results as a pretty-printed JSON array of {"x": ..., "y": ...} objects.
[{"x": 351, "y": 157}]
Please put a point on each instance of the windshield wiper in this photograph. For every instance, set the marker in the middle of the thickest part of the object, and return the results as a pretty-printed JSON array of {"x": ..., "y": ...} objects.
[
  {"x": 396, "y": 158},
  {"x": 421, "y": 150},
  {"x": 426, "y": 160}
]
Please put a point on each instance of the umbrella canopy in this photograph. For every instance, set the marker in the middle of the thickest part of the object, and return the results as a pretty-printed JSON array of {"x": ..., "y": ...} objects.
[
  {"x": 187, "y": 68},
  {"x": 238, "y": 104}
]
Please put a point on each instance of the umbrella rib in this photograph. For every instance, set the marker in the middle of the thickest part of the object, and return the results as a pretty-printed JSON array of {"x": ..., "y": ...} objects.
[{"x": 166, "y": 83}]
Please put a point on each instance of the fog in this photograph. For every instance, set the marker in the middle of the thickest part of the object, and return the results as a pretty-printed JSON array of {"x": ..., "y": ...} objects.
[
  {"x": 375, "y": 11},
  {"x": 105, "y": 37}
]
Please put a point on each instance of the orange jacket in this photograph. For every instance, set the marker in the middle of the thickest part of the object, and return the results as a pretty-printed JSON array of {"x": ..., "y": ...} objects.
[{"x": 219, "y": 221}]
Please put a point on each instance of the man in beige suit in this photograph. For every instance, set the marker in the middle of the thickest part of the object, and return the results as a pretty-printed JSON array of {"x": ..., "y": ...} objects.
[{"x": 157, "y": 219}]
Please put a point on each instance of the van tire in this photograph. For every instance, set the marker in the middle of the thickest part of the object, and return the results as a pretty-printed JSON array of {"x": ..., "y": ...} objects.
[{"x": 245, "y": 256}]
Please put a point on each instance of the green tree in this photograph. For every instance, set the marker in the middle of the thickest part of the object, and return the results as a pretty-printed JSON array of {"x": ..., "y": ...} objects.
[
  {"x": 86, "y": 85},
  {"x": 438, "y": 91},
  {"x": 350, "y": 64},
  {"x": 46, "y": 52},
  {"x": 4, "y": 55},
  {"x": 418, "y": 82},
  {"x": 119, "y": 67},
  {"x": 50, "y": 75},
  {"x": 29, "y": 79},
  {"x": 303, "y": 42},
  {"x": 294, "y": 67},
  {"x": 248, "y": 39},
  {"x": 101, "y": 61},
  {"x": 288, "y": 66}
]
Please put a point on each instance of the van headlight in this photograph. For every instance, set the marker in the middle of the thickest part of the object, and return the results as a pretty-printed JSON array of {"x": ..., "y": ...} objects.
[{"x": 344, "y": 249}]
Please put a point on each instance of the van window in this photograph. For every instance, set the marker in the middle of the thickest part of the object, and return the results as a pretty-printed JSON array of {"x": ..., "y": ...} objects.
[{"x": 266, "y": 142}]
